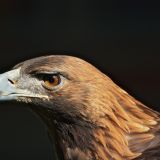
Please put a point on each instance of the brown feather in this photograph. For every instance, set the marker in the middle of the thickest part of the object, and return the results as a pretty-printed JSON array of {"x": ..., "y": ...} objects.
[{"x": 106, "y": 123}]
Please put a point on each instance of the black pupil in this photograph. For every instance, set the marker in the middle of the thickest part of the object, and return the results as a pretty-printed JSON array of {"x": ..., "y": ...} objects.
[{"x": 51, "y": 79}]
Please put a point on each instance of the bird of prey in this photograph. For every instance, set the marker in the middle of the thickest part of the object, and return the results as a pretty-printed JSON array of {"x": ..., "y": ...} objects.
[{"x": 87, "y": 115}]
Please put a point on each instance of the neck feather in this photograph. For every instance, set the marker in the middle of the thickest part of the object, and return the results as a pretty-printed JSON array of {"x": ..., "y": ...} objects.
[{"x": 121, "y": 128}]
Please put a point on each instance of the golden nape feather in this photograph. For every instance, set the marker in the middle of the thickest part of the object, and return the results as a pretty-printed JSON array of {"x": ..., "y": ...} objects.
[
  {"x": 88, "y": 116},
  {"x": 128, "y": 129}
]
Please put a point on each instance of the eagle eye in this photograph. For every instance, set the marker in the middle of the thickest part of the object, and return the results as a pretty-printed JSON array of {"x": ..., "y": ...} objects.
[{"x": 51, "y": 80}]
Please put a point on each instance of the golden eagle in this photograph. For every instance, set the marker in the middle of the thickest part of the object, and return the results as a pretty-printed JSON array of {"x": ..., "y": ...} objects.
[{"x": 88, "y": 116}]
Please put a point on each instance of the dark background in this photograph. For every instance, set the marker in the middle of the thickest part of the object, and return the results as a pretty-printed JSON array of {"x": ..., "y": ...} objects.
[{"x": 121, "y": 38}]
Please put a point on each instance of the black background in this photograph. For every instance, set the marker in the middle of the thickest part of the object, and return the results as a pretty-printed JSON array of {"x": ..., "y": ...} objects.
[{"x": 121, "y": 38}]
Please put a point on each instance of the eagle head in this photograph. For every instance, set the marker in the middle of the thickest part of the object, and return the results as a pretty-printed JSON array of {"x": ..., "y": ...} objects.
[{"x": 87, "y": 114}]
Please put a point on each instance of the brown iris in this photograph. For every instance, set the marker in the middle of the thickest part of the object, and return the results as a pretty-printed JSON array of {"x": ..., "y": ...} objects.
[{"x": 51, "y": 81}]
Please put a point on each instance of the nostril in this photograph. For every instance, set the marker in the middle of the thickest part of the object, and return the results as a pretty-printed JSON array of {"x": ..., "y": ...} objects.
[{"x": 12, "y": 82}]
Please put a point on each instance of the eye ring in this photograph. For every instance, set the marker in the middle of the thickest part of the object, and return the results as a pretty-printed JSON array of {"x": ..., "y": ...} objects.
[{"x": 51, "y": 81}]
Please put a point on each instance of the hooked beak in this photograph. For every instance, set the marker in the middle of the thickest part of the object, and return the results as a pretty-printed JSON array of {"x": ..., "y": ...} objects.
[{"x": 8, "y": 90}]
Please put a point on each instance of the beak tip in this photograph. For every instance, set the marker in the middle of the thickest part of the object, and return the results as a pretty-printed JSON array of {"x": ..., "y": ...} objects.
[{"x": 2, "y": 93}]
